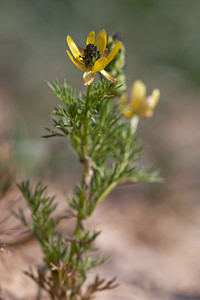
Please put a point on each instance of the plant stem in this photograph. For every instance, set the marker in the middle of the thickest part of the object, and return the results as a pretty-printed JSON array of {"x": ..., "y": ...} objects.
[
  {"x": 106, "y": 191},
  {"x": 89, "y": 92},
  {"x": 86, "y": 122},
  {"x": 86, "y": 160}
]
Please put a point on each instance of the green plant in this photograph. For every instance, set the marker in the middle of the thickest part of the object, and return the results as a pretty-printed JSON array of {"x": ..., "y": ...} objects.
[{"x": 107, "y": 146}]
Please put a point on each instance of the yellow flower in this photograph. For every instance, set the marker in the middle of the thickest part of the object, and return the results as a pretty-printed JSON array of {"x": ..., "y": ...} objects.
[
  {"x": 94, "y": 58},
  {"x": 139, "y": 104}
]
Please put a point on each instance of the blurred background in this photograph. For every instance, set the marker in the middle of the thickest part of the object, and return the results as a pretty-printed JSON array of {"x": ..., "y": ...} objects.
[{"x": 156, "y": 226}]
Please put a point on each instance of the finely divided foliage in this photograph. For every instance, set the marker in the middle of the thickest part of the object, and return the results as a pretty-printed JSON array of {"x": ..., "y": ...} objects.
[{"x": 107, "y": 146}]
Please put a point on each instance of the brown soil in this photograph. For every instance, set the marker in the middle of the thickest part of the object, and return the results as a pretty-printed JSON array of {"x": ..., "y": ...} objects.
[{"x": 154, "y": 247}]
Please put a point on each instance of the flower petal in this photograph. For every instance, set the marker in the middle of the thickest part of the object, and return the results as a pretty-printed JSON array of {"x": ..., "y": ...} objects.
[
  {"x": 114, "y": 51},
  {"x": 138, "y": 90},
  {"x": 146, "y": 113},
  {"x": 88, "y": 78},
  {"x": 101, "y": 41},
  {"x": 81, "y": 50},
  {"x": 127, "y": 112},
  {"x": 100, "y": 64},
  {"x": 78, "y": 63},
  {"x": 123, "y": 99},
  {"x": 73, "y": 47},
  {"x": 90, "y": 38},
  {"x": 108, "y": 75},
  {"x": 156, "y": 96},
  {"x": 149, "y": 104}
]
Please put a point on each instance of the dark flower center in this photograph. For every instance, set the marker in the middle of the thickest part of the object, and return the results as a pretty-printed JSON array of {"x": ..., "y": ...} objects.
[{"x": 90, "y": 55}]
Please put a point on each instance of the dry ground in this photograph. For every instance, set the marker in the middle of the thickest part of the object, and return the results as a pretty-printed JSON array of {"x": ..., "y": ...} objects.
[{"x": 154, "y": 247}]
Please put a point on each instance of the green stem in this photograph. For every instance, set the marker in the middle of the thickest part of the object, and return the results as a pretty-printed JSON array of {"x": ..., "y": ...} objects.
[
  {"x": 86, "y": 122},
  {"x": 85, "y": 160},
  {"x": 87, "y": 173},
  {"x": 85, "y": 157},
  {"x": 89, "y": 92},
  {"x": 78, "y": 228},
  {"x": 106, "y": 191}
]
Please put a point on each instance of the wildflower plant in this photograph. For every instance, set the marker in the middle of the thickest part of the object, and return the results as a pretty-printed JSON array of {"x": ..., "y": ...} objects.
[{"x": 100, "y": 129}]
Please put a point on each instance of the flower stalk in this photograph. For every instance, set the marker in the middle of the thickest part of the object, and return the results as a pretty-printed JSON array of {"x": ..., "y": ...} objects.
[{"x": 86, "y": 160}]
